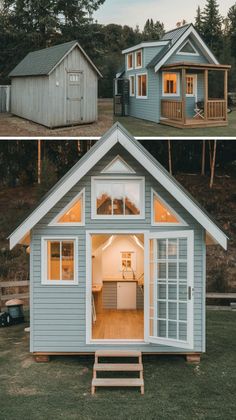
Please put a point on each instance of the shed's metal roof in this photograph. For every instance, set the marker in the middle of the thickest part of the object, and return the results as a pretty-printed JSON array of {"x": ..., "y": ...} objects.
[{"x": 42, "y": 62}]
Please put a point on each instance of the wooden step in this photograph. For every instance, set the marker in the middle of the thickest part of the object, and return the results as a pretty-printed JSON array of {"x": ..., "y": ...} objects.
[
  {"x": 118, "y": 367},
  {"x": 118, "y": 382},
  {"x": 118, "y": 353}
]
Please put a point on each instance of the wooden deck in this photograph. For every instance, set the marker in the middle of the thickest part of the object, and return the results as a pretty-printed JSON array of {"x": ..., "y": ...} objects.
[
  {"x": 119, "y": 324},
  {"x": 194, "y": 123}
]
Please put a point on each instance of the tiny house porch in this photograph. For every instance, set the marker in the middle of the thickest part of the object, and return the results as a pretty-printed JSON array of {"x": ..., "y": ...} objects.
[{"x": 214, "y": 110}]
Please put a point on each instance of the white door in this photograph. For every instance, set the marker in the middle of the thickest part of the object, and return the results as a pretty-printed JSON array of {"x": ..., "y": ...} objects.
[
  {"x": 74, "y": 97},
  {"x": 126, "y": 295},
  {"x": 171, "y": 289}
]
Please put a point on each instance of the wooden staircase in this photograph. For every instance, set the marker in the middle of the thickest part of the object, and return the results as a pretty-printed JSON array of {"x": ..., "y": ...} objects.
[{"x": 117, "y": 367}]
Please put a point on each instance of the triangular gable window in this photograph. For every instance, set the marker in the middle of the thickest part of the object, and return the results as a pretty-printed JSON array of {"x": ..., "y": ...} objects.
[
  {"x": 188, "y": 48},
  {"x": 163, "y": 213},
  {"x": 118, "y": 166},
  {"x": 73, "y": 213}
]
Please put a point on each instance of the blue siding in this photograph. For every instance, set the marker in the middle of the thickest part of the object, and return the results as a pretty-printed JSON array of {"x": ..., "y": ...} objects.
[{"x": 58, "y": 317}]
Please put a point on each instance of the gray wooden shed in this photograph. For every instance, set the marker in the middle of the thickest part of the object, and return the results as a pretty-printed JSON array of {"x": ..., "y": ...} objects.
[{"x": 56, "y": 86}]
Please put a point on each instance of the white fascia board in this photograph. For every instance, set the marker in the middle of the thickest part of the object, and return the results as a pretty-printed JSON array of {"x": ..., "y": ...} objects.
[
  {"x": 49, "y": 202},
  {"x": 145, "y": 45},
  {"x": 83, "y": 52},
  {"x": 173, "y": 188},
  {"x": 177, "y": 45}
]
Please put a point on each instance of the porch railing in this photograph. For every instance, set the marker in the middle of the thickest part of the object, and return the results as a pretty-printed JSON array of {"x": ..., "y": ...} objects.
[
  {"x": 171, "y": 109},
  {"x": 216, "y": 109}
]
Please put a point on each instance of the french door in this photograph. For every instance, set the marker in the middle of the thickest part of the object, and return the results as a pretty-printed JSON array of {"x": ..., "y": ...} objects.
[{"x": 170, "y": 307}]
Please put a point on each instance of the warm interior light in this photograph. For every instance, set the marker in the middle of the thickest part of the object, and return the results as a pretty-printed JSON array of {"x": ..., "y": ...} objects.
[
  {"x": 138, "y": 242},
  {"x": 109, "y": 242},
  {"x": 162, "y": 214}
]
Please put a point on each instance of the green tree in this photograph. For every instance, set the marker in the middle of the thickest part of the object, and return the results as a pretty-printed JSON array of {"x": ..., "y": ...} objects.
[
  {"x": 212, "y": 26},
  {"x": 232, "y": 28},
  {"x": 198, "y": 20},
  {"x": 153, "y": 30}
]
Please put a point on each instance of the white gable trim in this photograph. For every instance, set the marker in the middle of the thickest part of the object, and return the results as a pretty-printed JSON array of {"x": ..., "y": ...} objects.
[
  {"x": 177, "y": 45},
  {"x": 117, "y": 135},
  {"x": 107, "y": 169},
  {"x": 145, "y": 45},
  {"x": 180, "y": 52},
  {"x": 83, "y": 52}
]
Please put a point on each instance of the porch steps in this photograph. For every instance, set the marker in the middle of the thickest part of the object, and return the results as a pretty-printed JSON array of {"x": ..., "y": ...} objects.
[{"x": 117, "y": 367}]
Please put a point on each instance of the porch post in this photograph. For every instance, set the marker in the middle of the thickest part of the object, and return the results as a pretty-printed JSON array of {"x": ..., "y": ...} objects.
[
  {"x": 183, "y": 75},
  {"x": 205, "y": 93},
  {"x": 226, "y": 93}
]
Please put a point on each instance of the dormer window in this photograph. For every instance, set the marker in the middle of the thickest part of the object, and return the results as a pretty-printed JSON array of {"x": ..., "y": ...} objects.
[
  {"x": 117, "y": 197},
  {"x": 138, "y": 59},
  {"x": 130, "y": 63}
]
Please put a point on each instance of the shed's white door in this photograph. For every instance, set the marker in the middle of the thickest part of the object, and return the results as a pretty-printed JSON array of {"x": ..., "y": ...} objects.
[
  {"x": 171, "y": 289},
  {"x": 126, "y": 295},
  {"x": 74, "y": 100}
]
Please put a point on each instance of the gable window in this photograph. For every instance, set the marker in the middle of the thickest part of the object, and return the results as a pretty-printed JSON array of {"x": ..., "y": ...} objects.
[
  {"x": 132, "y": 86},
  {"x": 59, "y": 261},
  {"x": 170, "y": 84},
  {"x": 138, "y": 59},
  {"x": 117, "y": 197},
  {"x": 163, "y": 214},
  {"x": 191, "y": 85},
  {"x": 130, "y": 61},
  {"x": 72, "y": 214},
  {"x": 118, "y": 166},
  {"x": 141, "y": 86},
  {"x": 188, "y": 49}
]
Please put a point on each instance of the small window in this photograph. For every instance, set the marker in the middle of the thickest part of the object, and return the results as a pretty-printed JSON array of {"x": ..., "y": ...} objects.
[
  {"x": 132, "y": 86},
  {"x": 118, "y": 166},
  {"x": 138, "y": 59},
  {"x": 59, "y": 261},
  {"x": 118, "y": 198},
  {"x": 74, "y": 78},
  {"x": 170, "y": 84},
  {"x": 142, "y": 86},
  {"x": 190, "y": 85},
  {"x": 130, "y": 61},
  {"x": 163, "y": 214},
  {"x": 188, "y": 49},
  {"x": 126, "y": 261},
  {"x": 72, "y": 214}
]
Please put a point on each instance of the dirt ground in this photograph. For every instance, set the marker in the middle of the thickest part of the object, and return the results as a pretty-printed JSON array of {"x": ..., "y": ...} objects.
[{"x": 11, "y": 125}]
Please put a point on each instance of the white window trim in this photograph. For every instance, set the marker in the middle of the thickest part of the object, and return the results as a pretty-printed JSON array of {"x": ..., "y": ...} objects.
[
  {"x": 44, "y": 279},
  {"x": 55, "y": 222},
  {"x": 137, "y": 95},
  {"x": 114, "y": 179},
  {"x": 118, "y": 157},
  {"x": 127, "y": 62},
  {"x": 177, "y": 84},
  {"x": 188, "y": 95},
  {"x": 105, "y": 341},
  {"x": 165, "y": 204},
  {"x": 136, "y": 53},
  {"x": 130, "y": 85},
  {"x": 186, "y": 53}
]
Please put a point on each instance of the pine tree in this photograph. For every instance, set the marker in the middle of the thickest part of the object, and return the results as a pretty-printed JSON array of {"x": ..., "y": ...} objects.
[
  {"x": 232, "y": 28},
  {"x": 212, "y": 26},
  {"x": 153, "y": 31},
  {"x": 198, "y": 20}
]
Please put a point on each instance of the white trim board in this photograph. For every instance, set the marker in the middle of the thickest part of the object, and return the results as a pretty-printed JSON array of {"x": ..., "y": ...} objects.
[
  {"x": 176, "y": 46},
  {"x": 119, "y": 135},
  {"x": 145, "y": 45}
]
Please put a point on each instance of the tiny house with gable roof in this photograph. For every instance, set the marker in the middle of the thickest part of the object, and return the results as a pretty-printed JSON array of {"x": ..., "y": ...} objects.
[
  {"x": 166, "y": 81},
  {"x": 118, "y": 257},
  {"x": 56, "y": 86}
]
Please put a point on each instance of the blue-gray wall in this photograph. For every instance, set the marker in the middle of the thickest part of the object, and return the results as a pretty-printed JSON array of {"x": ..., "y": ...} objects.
[
  {"x": 58, "y": 318},
  {"x": 150, "y": 108}
]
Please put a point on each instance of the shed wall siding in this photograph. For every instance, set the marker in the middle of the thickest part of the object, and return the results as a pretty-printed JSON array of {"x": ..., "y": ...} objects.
[
  {"x": 30, "y": 98},
  {"x": 59, "y": 312}
]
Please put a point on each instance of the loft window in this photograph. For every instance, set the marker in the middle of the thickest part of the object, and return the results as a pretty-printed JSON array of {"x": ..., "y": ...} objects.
[
  {"x": 141, "y": 86},
  {"x": 170, "y": 84},
  {"x": 138, "y": 59},
  {"x": 72, "y": 214},
  {"x": 118, "y": 197},
  {"x": 118, "y": 166},
  {"x": 59, "y": 262},
  {"x": 130, "y": 61},
  {"x": 163, "y": 213},
  {"x": 188, "y": 49}
]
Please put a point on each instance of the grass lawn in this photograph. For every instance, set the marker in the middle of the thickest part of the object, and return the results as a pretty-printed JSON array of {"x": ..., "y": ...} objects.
[
  {"x": 144, "y": 128},
  {"x": 173, "y": 389}
]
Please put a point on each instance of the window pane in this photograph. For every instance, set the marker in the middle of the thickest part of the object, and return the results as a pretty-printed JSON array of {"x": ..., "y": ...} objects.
[
  {"x": 172, "y": 310},
  {"x": 139, "y": 59},
  {"x": 117, "y": 194},
  {"x": 103, "y": 198},
  {"x": 67, "y": 260},
  {"x": 189, "y": 85},
  {"x": 161, "y": 269},
  {"x": 130, "y": 61},
  {"x": 183, "y": 292},
  {"x": 161, "y": 310},
  {"x": 170, "y": 83},
  {"x": 161, "y": 328},
  {"x": 183, "y": 271},
  {"x": 183, "y": 248},
  {"x": 73, "y": 214},
  {"x": 172, "y": 291},
  {"x": 161, "y": 291},
  {"x": 172, "y": 249},
  {"x": 172, "y": 330},
  {"x": 53, "y": 250},
  {"x": 132, "y": 198},
  {"x": 172, "y": 271},
  {"x": 139, "y": 86},
  {"x": 183, "y": 331},
  {"x": 161, "y": 249},
  {"x": 144, "y": 85},
  {"x": 161, "y": 213}
]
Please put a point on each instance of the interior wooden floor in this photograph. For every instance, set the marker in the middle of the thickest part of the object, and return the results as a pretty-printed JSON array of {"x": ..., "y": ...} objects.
[{"x": 118, "y": 324}]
